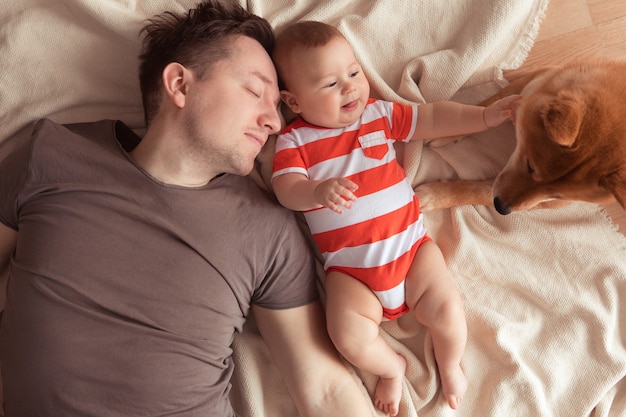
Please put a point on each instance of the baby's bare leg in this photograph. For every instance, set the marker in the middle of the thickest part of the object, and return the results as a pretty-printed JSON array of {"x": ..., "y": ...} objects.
[
  {"x": 436, "y": 303},
  {"x": 353, "y": 314}
]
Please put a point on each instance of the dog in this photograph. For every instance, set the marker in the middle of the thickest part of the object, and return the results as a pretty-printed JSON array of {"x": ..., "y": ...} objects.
[{"x": 570, "y": 128}]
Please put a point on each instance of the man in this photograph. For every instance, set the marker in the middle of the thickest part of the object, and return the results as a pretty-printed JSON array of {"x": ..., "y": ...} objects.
[{"x": 133, "y": 262}]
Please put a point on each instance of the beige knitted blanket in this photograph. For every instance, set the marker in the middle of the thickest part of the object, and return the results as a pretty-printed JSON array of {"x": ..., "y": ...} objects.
[{"x": 544, "y": 291}]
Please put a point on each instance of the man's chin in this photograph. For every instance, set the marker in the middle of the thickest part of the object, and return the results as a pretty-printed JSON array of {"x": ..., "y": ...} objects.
[{"x": 243, "y": 169}]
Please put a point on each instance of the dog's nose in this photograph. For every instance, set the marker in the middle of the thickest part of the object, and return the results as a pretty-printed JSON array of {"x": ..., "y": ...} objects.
[{"x": 500, "y": 206}]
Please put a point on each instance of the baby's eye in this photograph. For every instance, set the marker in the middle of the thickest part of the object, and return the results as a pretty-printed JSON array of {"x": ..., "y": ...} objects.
[
  {"x": 331, "y": 84},
  {"x": 354, "y": 74}
]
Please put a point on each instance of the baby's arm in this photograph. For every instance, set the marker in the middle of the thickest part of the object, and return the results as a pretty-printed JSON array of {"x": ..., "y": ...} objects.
[
  {"x": 448, "y": 118},
  {"x": 297, "y": 192}
]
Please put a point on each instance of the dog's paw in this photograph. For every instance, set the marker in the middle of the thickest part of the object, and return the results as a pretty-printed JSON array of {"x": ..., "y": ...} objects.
[
  {"x": 452, "y": 193},
  {"x": 432, "y": 196}
]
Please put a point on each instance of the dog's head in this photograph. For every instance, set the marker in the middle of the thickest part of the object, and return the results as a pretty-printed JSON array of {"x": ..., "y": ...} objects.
[{"x": 571, "y": 145}]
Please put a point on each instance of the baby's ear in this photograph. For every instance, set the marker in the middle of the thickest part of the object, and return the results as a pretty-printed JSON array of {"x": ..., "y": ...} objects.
[{"x": 290, "y": 100}]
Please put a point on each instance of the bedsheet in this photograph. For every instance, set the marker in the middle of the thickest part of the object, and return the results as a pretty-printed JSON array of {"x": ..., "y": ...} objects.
[{"x": 544, "y": 291}]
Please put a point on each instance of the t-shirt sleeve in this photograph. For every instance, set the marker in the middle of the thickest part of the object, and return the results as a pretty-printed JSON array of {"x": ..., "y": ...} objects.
[
  {"x": 291, "y": 276},
  {"x": 402, "y": 120},
  {"x": 288, "y": 158},
  {"x": 15, "y": 154}
]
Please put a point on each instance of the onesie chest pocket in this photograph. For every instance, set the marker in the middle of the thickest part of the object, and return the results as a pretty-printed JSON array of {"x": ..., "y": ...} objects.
[{"x": 374, "y": 144}]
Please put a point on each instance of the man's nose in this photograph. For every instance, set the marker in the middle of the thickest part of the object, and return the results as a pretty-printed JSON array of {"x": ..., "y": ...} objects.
[{"x": 271, "y": 120}]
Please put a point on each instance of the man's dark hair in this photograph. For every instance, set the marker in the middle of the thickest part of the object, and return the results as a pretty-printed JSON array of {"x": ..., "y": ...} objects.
[{"x": 196, "y": 40}]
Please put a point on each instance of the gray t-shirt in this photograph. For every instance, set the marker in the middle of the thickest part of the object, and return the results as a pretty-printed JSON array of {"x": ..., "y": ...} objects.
[{"x": 125, "y": 293}]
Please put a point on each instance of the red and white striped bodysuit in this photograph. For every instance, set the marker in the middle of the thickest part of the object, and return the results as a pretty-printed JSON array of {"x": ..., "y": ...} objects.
[{"x": 376, "y": 240}]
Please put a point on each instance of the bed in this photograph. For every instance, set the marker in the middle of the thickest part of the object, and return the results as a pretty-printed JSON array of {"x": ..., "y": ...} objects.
[{"x": 544, "y": 291}]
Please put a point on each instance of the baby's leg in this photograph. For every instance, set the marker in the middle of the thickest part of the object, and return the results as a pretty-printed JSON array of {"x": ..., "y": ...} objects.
[
  {"x": 353, "y": 314},
  {"x": 436, "y": 302}
]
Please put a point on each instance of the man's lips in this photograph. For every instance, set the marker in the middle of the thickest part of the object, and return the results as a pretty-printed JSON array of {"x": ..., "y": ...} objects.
[{"x": 260, "y": 139}]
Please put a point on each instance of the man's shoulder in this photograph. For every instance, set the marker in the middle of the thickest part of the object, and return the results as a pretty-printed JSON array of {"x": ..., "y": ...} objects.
[
  {"x": 106, "y": 130},
  {"x": 47, "y": 130},
  {"x": 46, "y": 126}
]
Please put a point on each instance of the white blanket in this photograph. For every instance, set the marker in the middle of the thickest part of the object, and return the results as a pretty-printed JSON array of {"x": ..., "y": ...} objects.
[{"x": 544, "y": 291}]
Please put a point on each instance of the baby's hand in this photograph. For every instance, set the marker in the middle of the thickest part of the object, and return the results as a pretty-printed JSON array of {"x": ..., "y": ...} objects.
[
  {"x": 501, "y": 110},
  {"x": 336, "y": 193}
]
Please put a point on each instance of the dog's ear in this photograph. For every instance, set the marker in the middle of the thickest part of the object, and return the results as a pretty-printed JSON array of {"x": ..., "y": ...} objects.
[
  {"x": 562, "y": 116},
  {"x": 615, "y": 183}
]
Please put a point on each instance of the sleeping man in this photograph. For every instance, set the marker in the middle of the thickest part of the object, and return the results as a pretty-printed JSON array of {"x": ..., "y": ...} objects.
[{"x": 132, "y": 262}]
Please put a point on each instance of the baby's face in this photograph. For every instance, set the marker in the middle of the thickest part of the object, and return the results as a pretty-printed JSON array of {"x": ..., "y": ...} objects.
[{"x": 328, "y": 86}]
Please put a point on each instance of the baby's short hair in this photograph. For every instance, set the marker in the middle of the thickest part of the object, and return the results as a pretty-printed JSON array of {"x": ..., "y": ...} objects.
[{"x": 298, "y": 36}]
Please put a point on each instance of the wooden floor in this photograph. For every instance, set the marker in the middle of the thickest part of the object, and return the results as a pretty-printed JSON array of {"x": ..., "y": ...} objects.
[{"x": 581, "y": 28}]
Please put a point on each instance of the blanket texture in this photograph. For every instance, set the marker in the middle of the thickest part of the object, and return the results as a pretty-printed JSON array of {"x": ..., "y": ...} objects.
[{"x": 544, "y": 291}]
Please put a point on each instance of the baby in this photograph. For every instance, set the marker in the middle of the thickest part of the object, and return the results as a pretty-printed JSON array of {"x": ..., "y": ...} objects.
[{"x": 336, "y": 163}]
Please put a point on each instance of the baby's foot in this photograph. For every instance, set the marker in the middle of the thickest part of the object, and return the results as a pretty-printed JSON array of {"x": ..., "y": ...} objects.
[
  {"x": 389, "y": 391},
  {"x": 454, "y": 385}
]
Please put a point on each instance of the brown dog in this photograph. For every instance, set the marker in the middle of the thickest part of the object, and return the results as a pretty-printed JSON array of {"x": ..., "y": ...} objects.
[{"x": 571, "y": 143}]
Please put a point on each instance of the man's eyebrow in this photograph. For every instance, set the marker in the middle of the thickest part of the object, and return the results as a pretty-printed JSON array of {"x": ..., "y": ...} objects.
[{"x": 262, "y": 77}]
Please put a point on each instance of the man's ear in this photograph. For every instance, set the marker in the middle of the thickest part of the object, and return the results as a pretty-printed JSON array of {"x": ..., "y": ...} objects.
[
  {"x": 291, "y": 101},
  {"x": 176, "y": 82}
]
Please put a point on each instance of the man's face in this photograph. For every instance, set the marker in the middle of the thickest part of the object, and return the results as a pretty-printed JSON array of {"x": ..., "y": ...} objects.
[{"x": 232, "y": 111}]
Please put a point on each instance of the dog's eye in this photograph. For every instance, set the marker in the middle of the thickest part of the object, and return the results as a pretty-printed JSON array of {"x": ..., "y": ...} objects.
[{"x": 529, "y": 168}]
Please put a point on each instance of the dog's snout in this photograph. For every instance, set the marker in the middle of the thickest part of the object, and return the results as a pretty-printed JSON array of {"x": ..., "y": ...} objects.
[{"x": 500, "y": 206}]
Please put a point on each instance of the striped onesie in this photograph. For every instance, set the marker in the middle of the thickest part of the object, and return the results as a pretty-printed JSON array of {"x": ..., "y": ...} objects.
[{"x": 376, "y": 240}]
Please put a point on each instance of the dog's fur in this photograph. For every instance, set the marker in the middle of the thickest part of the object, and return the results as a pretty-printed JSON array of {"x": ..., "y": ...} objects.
[{"x": 570, "y": 143}]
